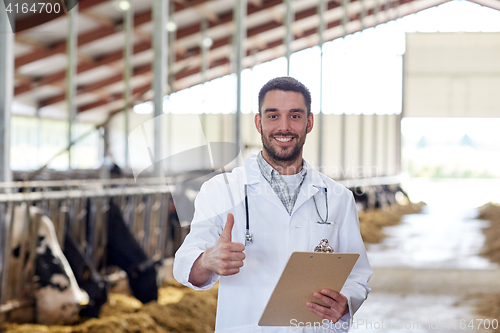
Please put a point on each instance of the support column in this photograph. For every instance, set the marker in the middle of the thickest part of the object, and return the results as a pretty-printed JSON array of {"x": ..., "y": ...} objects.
[
  {"x": 128, "y": 25},
  {"x": 361, "y": 158},
  {"x": 374, "y": 146},
  {"x": 289, "y": 16},
  {"x": 104, "y": 172},
  {"x": 376, "y": 10},
  {"x": 386, "y": 145},
  {"x": 240, "y": 12},
  {"x": 399, "y": 119},
  {"x": 170, "y": 79},
  {"x": 6, "y": 91},
  {"x": 71, "y": 53},
  {"x": 343, "y": 131},
  {"x": 345, "y": 17},
  {"x": 374, "y": 163},
  {"x": 321, "y": 29},
  {"x": 39, "y": 157},
  {"x": 387, "y": 7},
  {"x": 205, "y": 47},
  {"x": 160, "y": 14},
  {"x": 342, "y": 144},
  {"x": 362, "y": 14}
]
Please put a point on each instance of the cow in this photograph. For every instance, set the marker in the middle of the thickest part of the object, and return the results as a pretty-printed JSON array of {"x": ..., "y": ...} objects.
[
  {"x": 59, "y": 275},
  {"x": 58, "y": 298},
  {"x": 88, "y": 278},
  {"x": 379, "y": 196},
  {"x": 361, "y": 197},
  {"x": 124, "y": 251}
]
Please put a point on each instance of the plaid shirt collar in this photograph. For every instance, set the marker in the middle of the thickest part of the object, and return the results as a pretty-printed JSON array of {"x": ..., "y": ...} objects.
[{"x": 277, "y": 183}]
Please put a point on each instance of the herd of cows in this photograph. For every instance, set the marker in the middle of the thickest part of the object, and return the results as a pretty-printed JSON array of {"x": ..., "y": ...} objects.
[{"x": 67, "y": 284}]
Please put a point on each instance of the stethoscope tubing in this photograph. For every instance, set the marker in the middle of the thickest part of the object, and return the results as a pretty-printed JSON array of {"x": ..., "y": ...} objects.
[{"x": 248, "y": 235}]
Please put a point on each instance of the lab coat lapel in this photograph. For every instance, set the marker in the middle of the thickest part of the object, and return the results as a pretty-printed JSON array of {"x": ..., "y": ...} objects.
[{"x": 312, "y": 184}]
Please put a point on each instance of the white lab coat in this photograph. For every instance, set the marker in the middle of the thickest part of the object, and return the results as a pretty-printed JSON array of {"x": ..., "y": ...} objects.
[{"x": 276, "y": 234}]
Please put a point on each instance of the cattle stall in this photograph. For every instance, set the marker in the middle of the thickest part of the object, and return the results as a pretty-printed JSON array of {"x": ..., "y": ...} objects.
[{"x": 79, "y": 211}]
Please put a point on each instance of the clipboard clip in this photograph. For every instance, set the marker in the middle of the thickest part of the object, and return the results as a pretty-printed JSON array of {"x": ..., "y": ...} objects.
[{"x": 323, "y": 247}]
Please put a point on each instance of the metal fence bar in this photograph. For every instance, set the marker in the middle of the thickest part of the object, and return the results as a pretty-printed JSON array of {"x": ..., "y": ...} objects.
[
  {"x": 29, "y": 267},
  {"x": 41, "y": 184},
  {"x": 147, "y": 221},
  {"x": 138, "y": 225},
  {"x": 7, "y": 228},
  {"x": 4, "y": 297},
  {"x": 165, "y": 224},
  {"x": 87, "y": 193},
  {"x": 23, "y": 240},
  {"x": 3, "y": 249}
]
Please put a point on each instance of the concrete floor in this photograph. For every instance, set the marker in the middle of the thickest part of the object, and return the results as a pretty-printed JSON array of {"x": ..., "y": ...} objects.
[{"x": 427, "y": 271}]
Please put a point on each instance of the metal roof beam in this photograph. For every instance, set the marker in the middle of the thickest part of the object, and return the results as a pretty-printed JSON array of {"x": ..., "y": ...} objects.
[
  {"x": 139, "y": 19},
  {"x": 35, "y": 20},
  {"x": 410, "y": 7},
  {"x": 97, "y": 85},
  {"x": 115, "y": 97},
  {"x": 91, "y": 36},
  {"x": 83, "y": 67},
  {"x": 306, "y": 33},
  {"x": 194, "y": 70}
]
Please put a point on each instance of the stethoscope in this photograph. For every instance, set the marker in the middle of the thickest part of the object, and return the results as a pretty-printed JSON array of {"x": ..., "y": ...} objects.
[{"x": 248, "y": 235}]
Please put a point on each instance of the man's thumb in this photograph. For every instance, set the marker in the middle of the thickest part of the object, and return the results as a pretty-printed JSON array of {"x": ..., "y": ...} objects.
[{"x": 226, "y": 233}]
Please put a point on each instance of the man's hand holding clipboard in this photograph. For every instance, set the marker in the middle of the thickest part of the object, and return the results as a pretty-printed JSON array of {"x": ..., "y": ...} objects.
[
  {"x": 337, "y": 305},
  {"x": 309, "y": 288}
]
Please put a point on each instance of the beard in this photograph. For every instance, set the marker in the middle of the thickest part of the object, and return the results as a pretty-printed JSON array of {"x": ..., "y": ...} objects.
[{"x": 286, "y": 155}]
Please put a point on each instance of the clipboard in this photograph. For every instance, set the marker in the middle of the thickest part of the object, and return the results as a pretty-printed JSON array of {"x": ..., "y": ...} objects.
[{"x": 304, "y": 274}]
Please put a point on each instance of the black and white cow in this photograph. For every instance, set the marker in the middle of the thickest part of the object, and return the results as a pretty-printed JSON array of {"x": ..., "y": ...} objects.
[
  {"x": 57, "y": 294},
  {"x": 88, "y": 278},
  {"x": 378, "y": 196},
  {"x": 124, "y": 251},
  {"x": 361, "y": 197}
]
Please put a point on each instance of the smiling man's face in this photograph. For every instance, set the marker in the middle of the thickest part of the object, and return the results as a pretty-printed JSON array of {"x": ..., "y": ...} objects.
[{"x": 283, "y": 124}]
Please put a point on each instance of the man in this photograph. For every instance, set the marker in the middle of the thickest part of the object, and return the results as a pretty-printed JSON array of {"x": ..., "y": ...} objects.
[{"x": 291, "y": 207}]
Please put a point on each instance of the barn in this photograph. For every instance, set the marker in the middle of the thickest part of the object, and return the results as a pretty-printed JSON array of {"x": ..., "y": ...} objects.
[{"x": 114, "y": 114}]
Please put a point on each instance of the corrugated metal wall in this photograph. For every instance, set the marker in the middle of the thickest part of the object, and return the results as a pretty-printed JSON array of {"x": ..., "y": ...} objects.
[{"x": 452, "y": 75}]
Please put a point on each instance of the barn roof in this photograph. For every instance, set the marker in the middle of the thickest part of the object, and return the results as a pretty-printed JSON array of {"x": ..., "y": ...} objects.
[{"x": 40, "y": 52}]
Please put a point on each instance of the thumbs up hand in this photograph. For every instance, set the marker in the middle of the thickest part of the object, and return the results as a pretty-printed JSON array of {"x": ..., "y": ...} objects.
[{"x": 225, "y": 257}]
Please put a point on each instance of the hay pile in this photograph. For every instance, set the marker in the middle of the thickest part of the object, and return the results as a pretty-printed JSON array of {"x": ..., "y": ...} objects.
[
  {"x": 491, "y": 247},
  {"x": 488, "y": 306},
  {"x": 371, "y": 222},
  {"x": 178, "y": 309}
]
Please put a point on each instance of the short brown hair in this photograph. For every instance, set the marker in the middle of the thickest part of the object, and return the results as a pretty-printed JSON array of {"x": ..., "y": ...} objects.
[{"x": 285, "y": 83}]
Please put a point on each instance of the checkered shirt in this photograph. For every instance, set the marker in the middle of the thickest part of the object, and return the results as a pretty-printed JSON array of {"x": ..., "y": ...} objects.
[{"x": 277, "y": 183}]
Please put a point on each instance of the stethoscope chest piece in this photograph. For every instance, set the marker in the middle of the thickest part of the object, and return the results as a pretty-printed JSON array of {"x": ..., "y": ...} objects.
[{"x": 248, "y": 237}]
